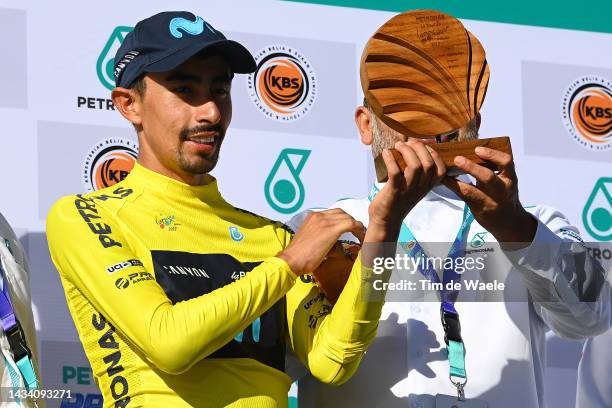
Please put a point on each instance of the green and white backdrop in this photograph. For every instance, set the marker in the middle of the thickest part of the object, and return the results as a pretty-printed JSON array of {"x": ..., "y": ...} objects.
[{"x": 545, "y": 57}]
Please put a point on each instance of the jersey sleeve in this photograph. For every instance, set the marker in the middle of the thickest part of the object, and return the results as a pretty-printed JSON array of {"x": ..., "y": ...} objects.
[
  {"x": 90, "y": 251},
  {"x": 330, "y": 341}
]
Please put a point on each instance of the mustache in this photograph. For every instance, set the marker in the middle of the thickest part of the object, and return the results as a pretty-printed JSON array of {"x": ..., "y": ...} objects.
[{"x": 186, "y": 133}]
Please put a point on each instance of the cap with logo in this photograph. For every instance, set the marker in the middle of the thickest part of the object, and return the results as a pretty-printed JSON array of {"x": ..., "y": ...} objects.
[{"x": 166, "y": 40}]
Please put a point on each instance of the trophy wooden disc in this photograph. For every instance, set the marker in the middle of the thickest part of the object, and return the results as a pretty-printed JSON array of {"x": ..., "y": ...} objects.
[{"x": 424, "y": 74}]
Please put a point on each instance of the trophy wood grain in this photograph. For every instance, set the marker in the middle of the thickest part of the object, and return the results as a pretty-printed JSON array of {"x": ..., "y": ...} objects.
[
  {"x": 448, "y": 151},
  {"x": 424, "y": 74}
]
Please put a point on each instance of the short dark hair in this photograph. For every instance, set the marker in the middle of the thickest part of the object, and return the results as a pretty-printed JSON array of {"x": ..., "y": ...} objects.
[{"x": 139, "y": 86}]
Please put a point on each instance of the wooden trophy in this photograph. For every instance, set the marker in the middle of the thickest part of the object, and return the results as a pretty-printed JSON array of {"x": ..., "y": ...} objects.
[
  {"x": 425, "y": 76},
  {"x": 334, "y": 271}
]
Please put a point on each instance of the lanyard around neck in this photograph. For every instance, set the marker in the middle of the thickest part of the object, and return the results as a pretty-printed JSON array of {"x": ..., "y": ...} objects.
[{"x": 448, "y": 313}]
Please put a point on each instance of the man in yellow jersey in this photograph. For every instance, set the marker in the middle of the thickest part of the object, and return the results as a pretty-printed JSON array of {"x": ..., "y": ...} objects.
[{"x": 181, "y": 299}]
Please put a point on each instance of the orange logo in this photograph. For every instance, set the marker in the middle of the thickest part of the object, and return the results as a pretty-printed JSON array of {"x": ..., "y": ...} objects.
[
  {"x": 587, "y": 112},
  {"x": 109, "y": 162},
  {"x": 284, "y": 85}
]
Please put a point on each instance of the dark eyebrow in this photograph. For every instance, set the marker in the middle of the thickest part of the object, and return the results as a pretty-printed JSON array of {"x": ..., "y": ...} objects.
[{"x": 226, "y": 78}]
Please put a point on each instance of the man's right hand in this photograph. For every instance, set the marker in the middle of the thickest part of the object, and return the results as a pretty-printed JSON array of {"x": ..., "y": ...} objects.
[
  {"x": 404, "y": 189},
  {"x": 316, "y": 236}
]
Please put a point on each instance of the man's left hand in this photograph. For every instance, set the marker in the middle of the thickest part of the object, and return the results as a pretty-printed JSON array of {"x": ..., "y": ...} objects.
[{"x": 494, "y": 199}]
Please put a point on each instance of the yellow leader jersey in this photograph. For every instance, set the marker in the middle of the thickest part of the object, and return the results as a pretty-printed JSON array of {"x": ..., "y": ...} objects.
[{"x": 179, "y": 300}]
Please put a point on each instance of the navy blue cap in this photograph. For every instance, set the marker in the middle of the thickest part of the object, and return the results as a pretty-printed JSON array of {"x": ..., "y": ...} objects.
[{"x": 166, "y": 40}]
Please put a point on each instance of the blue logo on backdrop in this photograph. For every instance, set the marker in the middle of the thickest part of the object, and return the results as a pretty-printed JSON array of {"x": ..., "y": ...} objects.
[{"x": 190, "y": 27}]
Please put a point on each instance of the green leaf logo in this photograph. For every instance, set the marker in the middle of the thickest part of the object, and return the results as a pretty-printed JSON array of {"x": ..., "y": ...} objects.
[
  {"x": 106, "y": 60},
  {"x": 597, "y": 212},
  {"x": 283, "y": 189}
]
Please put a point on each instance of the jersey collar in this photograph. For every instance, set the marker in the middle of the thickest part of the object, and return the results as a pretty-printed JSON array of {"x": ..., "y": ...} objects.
[{"x": 166, "y": 185}]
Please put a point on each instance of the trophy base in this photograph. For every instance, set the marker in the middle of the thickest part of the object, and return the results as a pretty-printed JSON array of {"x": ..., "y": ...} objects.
[{"x": 448, "y": 151}]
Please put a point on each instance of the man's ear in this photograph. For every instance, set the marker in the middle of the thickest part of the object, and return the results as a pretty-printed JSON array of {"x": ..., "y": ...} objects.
[
  {"x": 129, "y": 103},
  {"x": 363, "y": 120}
]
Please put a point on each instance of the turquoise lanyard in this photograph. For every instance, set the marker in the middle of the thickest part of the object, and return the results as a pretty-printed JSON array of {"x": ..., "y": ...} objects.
[{"x": 448, "y": 313}]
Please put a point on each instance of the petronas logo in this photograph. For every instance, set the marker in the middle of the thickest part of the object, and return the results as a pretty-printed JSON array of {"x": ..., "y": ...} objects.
[
  {"x": 106, "y": 60},
  {"x": 283, "y": 188},
  {"x": 597, "y": 212},
  {"x": 478, "y": 239}
]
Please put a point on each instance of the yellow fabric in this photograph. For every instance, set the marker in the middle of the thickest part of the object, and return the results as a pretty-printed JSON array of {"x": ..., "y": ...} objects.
[{"x": 179, "y": 300}]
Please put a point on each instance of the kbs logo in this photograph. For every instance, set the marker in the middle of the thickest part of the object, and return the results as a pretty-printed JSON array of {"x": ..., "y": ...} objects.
[
  {"x": 587, "y": 112},
  {"x": 284, "y": 85},
  {"x": 109, "y": 162}
]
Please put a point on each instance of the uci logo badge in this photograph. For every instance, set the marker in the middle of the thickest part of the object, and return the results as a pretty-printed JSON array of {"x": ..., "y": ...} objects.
[{"x": 236, "y": 234}]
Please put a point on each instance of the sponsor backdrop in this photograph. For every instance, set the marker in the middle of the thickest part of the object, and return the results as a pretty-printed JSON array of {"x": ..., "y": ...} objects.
[{"x": 292, "y": 143}]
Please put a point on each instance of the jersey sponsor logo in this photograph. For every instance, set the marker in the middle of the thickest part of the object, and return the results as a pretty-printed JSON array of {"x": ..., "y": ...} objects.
[
  {"x": 313, "y": 319},
  {"x": 132, "y": 279},
  {"x": 597, "y": 212},
  {"x": 109, "y": 162},
  {"x": 284, "y": 84},
  {"x": 485, "y": 250},
  {"x": 123, "y": 62},
  {"x": 196, "y": 27},
  {"x": 318, "y": 298},
  {"x": 119, "y": 386},
  {"x": 478, "y": 239},
  {"x": 236, "y": 234},
  {"x": 586, "y": 110},
  {"x": 118, "y": 194},
  {"x": 122, "y": 265},
  {"x": 255, "y": 330},
  {"x": 283, "y": 189},
  {"x": 167, "y": 223},
  {"x": 263, "y": 340},
  {"x": 186, "y": 270},
  {"x": 89, "y": 212},
  {"x": 238, "y": 275},
  {"x": 573, "y": 235}
]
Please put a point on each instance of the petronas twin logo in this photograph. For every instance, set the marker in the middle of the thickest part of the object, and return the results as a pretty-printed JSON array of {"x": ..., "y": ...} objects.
[
  {"x": 597, "y": 212},
  {"x": 283, "y": 188},
  {"x": 106, "y": 61},
  {"x": 478, "y": 240}
]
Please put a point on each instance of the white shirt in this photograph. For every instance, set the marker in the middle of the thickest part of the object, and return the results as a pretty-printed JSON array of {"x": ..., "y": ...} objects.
[
  {"x": 406, "y": 365},
  {"x": 595, "y": 373}
]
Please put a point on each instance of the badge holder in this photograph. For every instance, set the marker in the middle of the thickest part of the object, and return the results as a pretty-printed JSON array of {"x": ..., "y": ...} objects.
[{"x": 456, "y": 360}]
